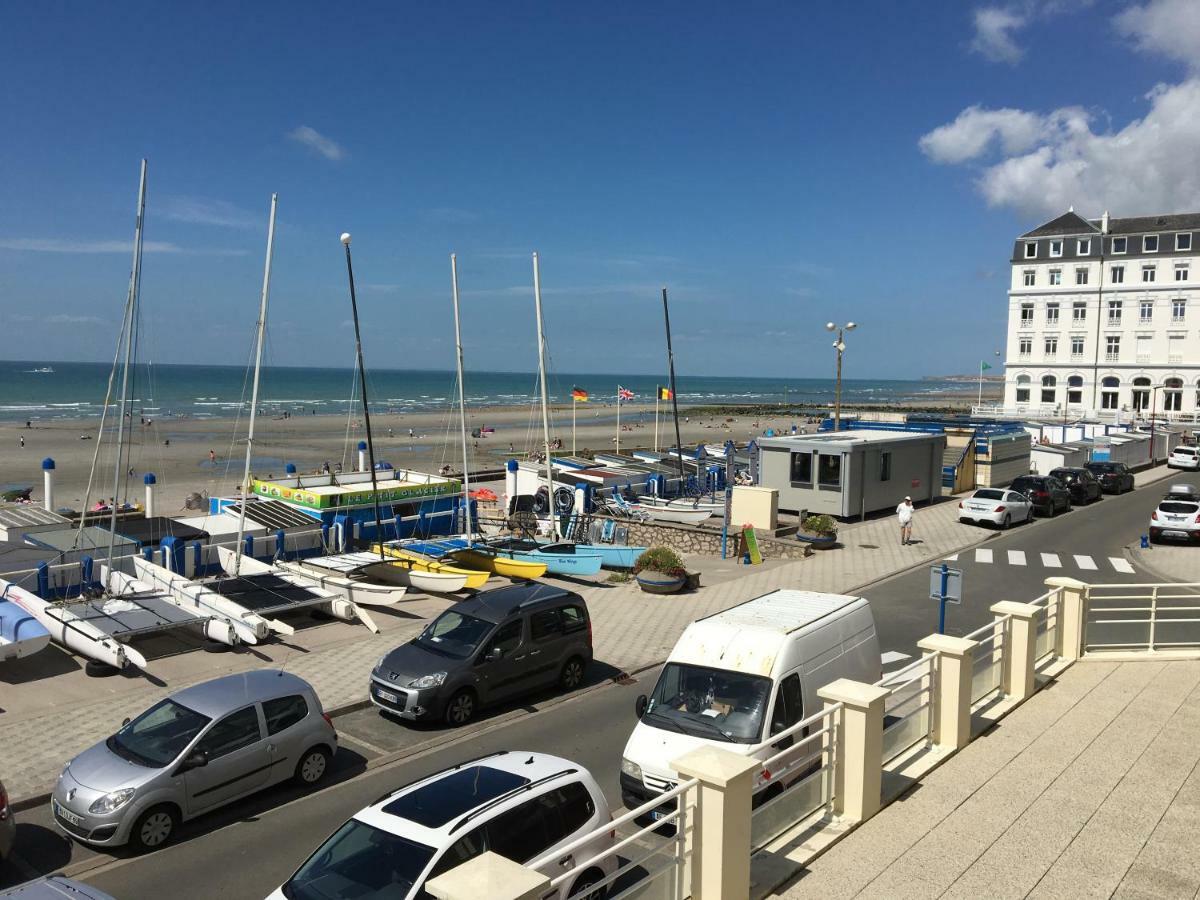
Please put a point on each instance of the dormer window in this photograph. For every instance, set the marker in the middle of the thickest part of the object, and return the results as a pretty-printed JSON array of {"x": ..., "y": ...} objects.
[
  {"x": 1119, "y": 245},
  {"x": 1031, "y": 250},
  {"x": 1084, "y": 248},
  {"x": 1183, "y": 241},
  {"x": 1056, "y": 248},
  {"x": 1150, "y": 243}
]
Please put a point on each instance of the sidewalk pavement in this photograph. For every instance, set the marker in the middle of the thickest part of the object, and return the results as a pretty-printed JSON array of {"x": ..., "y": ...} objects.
[
  {"x": 1092, "y": 788},
  {"x": 44, "y": 721}
]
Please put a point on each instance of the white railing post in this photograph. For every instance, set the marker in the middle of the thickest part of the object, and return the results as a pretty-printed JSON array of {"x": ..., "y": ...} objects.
[
  {"x": 951, "y": 695},
  {"x": 858, "y": 736},
  {"x": 1072, "y": 616},
  {"x": 720, "y": 853},
  {"x": 1020, "y": 647},
  {"x": 489, "y": 875},
  {"x": 1153, "y": 616}
]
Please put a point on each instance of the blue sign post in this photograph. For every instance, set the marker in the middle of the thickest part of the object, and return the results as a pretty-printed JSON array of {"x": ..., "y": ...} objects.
[{"x": 945, "y": 586}]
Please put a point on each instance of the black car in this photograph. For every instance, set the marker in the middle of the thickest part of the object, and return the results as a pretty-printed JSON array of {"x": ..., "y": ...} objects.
[
  {"x": 1048, "y": 495},
  {"x": 1080, "y": 482},
  {"x": 495, "y": 646},
  {"x": 1114, "y": 477}
]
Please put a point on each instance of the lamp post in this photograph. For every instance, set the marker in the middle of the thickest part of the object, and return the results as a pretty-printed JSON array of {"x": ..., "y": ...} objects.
[
  {"x": 1153, "y": 416},
  {"x": 840, "y": 346},
  {"x": 979, "y": 402}
]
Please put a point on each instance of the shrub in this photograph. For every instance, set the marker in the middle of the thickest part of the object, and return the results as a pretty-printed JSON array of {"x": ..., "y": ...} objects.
[
  {"x": 820, "y": 525},
  {"x": 660, "y": 559}
]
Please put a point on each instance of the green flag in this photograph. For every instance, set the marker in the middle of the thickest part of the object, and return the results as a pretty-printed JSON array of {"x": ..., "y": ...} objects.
[{"x": 983, "y": 367}]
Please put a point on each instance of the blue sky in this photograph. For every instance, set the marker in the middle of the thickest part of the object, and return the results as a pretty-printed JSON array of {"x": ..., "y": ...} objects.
[{"x": 774, "y": 165}]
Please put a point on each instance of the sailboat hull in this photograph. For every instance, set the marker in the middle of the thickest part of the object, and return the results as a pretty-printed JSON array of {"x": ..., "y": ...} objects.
[
  {"x": 612, "y": 556},
  {"x": 558, "y": 558},
  {"x": 682, "y": 516},
  {"x": 21, "y": 634},
  {"x": 475, "y": 578},
  {"x": 71, "y": 632},
  {"x": 357, "y": 590}
]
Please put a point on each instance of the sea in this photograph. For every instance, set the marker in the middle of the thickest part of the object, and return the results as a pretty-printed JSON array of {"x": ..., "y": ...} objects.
[{"x": 42, "y": 390}]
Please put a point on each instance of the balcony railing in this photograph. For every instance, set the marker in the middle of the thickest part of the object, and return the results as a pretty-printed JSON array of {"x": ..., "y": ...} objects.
[
  {"x": 1112, "y": 357},
  {"x": 1174, "y": 359}
]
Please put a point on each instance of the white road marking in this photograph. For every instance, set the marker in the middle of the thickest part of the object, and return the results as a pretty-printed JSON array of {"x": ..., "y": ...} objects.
[
  {"x": 893, "y": 656},
  {"x": 1121, "y": 565},
  {"x": 1085, "y": 562},
  {"x": 983, "y": 556},
  {"x": 1051, "y": 561},
  {"x": 1016, "y": 557},
  {"x": 951, "y": 558}
]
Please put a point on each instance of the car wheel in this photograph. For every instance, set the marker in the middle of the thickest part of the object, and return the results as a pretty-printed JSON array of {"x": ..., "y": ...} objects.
[
  {"x": 313, "y": 766},
  {"x": 461, "y": 709},
  {"x": 571, "y": 675},
  {"x": 1007, "y": 522},
  {"x": 585, "y": 888},
  {"x": 154, "y": 828}
]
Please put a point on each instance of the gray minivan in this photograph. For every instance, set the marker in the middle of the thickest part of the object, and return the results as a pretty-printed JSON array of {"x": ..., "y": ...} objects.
[
  {"x": 492, "y": 647},
  {"x": 193, "y": 752}
]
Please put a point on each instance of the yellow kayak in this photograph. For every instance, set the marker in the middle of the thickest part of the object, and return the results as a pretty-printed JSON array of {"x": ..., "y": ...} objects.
[
  {"x": 501, "y": 565},
  {"x": 476, "y": 578}
]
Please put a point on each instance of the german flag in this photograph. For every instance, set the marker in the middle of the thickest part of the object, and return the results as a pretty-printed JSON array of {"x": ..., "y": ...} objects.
[
  {"x": 664, "y": 393},
  {"x": 579, "y": 395}
]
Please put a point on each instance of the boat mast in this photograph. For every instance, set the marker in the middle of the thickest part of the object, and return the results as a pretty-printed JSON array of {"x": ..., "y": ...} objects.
[
  {"x": 362, "y": 375},
  {"x": 462, "y": 402},
  {"x": 537, "y": 305},
  {"x": 258, "y": 353},
  {"x": 674, "y": 393},
  {"x": 135, "y": 280}
]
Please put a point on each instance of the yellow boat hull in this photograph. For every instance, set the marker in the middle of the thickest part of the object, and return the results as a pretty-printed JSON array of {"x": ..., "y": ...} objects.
[
  {"x": 501, "y": 565},
  {"x": 476, "y": 577}
]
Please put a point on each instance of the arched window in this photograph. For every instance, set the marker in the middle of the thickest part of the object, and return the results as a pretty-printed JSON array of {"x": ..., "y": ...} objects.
[
  {"x": 1075, "y": 389},
  {"x": 1048, "y": 388},
  {"x": 1141, "y": 394},
  {"x": 1173, "y": 394},
  {"x": 1110, "y": 392},
  {"x": 1023, "y": 382}
]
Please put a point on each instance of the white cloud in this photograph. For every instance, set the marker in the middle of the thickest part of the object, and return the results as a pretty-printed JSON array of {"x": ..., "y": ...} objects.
[
  {"x": 198, "y": 211},
  {"x": 975, "y": 129},
  {"x": 59, "y": 245},
  {"x": 1170, "y": 27},
  {"x": 994, "y": 28},
  {"x": 317, "y": 142}
]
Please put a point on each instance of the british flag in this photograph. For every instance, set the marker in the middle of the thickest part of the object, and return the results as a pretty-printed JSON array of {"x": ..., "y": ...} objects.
[{"x": 624, "y": 393}]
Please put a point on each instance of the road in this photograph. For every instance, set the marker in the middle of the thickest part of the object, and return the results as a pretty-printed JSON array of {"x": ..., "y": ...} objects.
[{"x": 246, "y": 850}]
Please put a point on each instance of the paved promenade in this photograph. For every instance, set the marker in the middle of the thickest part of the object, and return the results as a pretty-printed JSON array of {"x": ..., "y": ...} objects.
[
  {"x": 49, "y": 710},
  {"x": 1090, "y": 789}
]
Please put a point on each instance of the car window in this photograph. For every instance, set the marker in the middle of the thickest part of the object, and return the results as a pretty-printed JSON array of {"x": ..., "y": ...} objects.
[
  {"x": 988, "y": 494},
  {"x": 284, "y": 712},
  {"x": 235, "y": 731},
  {"x": 507, "y": 638},
  {"x": 359, "y": 861},
  {"x": 521, "y": 834},
  {"x": 788, "y": 705},
  {"x": 1178, "y": 507},
  {"x": 466, "y": 848},
  {"x": 158, "y": 735},
  {"x": 545, "y": 624},
  {"x": 1012, "y": 497},
  {"x": 574, "y": 618}
]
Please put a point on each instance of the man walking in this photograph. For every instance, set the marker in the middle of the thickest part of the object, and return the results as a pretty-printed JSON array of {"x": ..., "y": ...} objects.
[{"x": 904, "y": 512}]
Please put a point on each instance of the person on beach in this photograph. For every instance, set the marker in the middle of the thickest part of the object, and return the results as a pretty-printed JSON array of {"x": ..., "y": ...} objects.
[
  {"x": 212, "y": 457},
  {"x": 22, "y": 440},
  {"x": 904, "y": 513}
]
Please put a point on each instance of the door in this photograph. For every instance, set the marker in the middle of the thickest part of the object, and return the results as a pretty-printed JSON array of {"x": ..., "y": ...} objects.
[
  {"x": 239, "y": 761},
  {"x": 289, "y": 733},
  {"x": 546, "y": 646},
  {"x": 787, "y": 711},
  {"x": 504, "y": 676}
]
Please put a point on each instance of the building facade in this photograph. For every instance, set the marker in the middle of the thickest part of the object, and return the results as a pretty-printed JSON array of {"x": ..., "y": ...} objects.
[{"x": 1104, "y": 318}]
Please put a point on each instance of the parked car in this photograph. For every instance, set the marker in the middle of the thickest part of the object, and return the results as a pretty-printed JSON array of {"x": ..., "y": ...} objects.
[
  {"x": 497, "y": 645},
  {"x": 197, "y": 750},
  {"x": 8, "y": 825},
  {"x": 1114, "y": 477},
  {"x": 522, "y": 806},
  {"x": 995, "y": 506},
  {"x": 1179, "y": 519},
  {"x": 736, "y": 678},
  {"x": 54, "y": 887},
  {"x": 1048, "y": 495},
  {"x": 1080, "y": 482},
  {"x": 1183, "y": 492},
  {"x": 1184, "y": 458}
]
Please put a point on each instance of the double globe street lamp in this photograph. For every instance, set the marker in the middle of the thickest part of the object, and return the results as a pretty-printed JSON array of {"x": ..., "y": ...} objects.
[{"x": 840, "y": 346}]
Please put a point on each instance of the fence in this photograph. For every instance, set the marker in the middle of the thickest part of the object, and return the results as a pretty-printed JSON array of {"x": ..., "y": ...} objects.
[
  {"x": 1047, "y": 619},
  {"x": 1148, "y": 617},
  {"x": 987, "y": 667},
  {"x": 907, "y": 711}
]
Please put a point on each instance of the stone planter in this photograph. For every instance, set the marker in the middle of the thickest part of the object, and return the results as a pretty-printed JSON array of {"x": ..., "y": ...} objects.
[
  {"x": 817, "y": 541},
  {"x": 659, "y": 583}
]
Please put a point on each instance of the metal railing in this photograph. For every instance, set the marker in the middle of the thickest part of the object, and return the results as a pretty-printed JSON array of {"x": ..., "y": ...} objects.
[
  {"x": 655, "y": 867},
  {"x": 1123, "y": 617},
  {"x": 1047, "y": 619},
  {"x": 796, "y": 782},
  {"x": 987, "y": 670},
  {"x": 908, "y": 709}
]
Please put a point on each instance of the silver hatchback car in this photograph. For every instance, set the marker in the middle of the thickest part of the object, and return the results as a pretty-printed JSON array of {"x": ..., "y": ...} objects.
[{"x": 193, "y": 752}]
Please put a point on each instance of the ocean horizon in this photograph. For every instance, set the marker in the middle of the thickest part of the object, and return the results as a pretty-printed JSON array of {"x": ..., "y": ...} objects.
[{"x": 41, "y": 390}]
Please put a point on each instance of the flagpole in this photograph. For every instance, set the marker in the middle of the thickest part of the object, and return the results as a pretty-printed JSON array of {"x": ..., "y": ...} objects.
[
  {"x": 657, "y": 394},
  {"x": 618, "y": 418},
  {"x": 573, "y": 404},
  {"x": 979, "y": 402}
]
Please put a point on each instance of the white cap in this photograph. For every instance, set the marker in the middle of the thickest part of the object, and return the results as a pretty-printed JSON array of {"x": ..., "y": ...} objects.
[{"x": 909, "y": 499}]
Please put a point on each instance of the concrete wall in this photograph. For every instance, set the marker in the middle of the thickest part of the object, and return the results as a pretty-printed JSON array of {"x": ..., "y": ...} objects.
[{"x": 704, "y": 541}]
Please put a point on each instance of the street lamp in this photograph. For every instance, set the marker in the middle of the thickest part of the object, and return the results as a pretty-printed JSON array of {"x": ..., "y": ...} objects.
[
  {"x": 840, "y": 346},
  {"x": 982, "y": 366}
]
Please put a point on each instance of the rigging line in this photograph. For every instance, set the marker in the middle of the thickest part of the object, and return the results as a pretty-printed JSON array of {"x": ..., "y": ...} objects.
[
  {"x": 233, "y": 439},
  {"x": 350, "y": 412}
]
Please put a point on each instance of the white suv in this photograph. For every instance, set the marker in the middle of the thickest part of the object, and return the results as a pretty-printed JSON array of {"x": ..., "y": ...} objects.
[
  {"x": 522, "y": 806},
  {"x": 1184, "y": 458}
]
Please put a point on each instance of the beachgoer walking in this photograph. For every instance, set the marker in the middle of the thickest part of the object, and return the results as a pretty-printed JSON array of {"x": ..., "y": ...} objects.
[
  {"x": 212, "y": 457},
  {"x": 904, "y": 512},
  {"x": 410, "y": 434},
  {"x": 22, "y": 440}
]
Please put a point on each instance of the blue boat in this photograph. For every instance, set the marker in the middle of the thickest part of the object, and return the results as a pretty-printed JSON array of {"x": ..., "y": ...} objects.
[
  {"x": 612, "y": 556},
  {"x": 560, "y": 557},
  {"x": 20, "y": 633}
]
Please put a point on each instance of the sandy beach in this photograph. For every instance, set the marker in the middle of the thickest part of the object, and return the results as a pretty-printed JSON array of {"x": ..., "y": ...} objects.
[{"x": 176, "y": 450}]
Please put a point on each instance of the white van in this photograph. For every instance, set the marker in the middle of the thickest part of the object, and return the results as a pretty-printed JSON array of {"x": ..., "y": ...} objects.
[{"x": 728, "y": 670}]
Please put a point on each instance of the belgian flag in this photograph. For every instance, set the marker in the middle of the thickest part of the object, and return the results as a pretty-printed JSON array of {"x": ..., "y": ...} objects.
[{"x": 664, "y": 393}]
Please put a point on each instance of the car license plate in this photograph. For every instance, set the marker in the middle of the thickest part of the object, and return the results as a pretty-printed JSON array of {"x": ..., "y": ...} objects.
[
  {"x": 1176, "y": 534},
  {"x": 386, "y": 695},
  {"x": 656, "y": 814},
  {"x": 67, "y": 814}
]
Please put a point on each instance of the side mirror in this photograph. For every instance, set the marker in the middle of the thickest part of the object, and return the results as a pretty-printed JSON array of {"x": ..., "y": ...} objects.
[
  {"x": 125, "y": 721},
  {"x": 195, "y": 760},
  {"x": 494, "y": 654},
  {"x": 639, "y": 705}
]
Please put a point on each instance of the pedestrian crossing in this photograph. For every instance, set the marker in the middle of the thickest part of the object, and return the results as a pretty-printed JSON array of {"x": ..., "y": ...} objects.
[{"x": 1081, "y": 561}]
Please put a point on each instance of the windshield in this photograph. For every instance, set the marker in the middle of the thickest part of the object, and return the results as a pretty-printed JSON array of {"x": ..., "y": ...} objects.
[
  {"x": 1102, "y": 468},
  {"x": 360, "y": 862},
  {"x": 709, "y": 703},
  {"x": 989, "y": 495},
  {"x": 1175, "y": 507},
  {"x": 159, "y": 735},
  {"x": 455, "y": 634},
  {"x": 1065, "y": 475}
]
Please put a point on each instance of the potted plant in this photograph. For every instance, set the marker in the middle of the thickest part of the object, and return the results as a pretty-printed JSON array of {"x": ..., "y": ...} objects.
[
  {"x": 659, "y": 570},
  {"x": 818, "y": 531}
]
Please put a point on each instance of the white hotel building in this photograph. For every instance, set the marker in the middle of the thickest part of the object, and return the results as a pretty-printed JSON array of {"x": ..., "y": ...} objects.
[{"x": 1104, "y": 318}]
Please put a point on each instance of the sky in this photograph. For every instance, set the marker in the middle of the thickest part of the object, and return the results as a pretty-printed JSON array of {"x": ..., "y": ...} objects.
[{"x": 775, "y": 166}]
